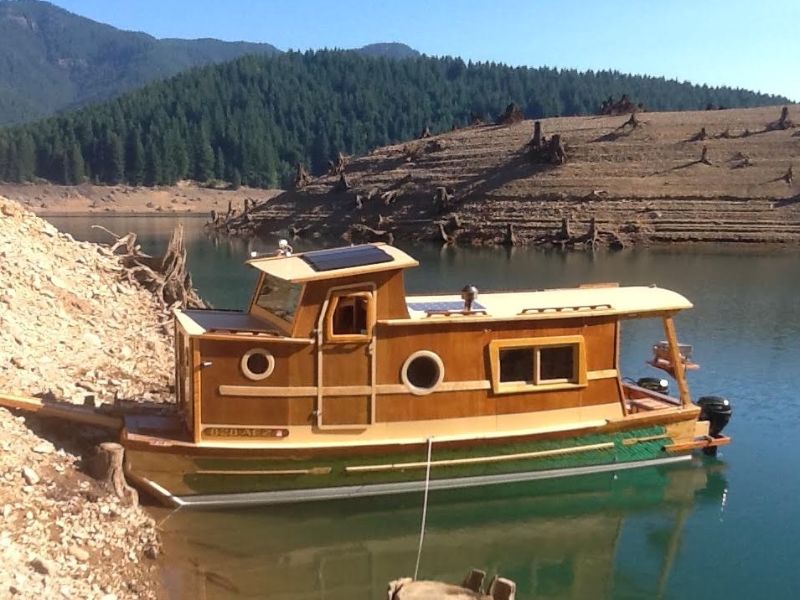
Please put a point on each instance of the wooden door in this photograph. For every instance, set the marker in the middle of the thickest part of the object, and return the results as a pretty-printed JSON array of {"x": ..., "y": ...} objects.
[{"x": 346, "y": 360}]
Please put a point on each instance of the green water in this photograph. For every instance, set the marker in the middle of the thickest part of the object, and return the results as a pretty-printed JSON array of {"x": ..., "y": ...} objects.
[{"x": 723, "y": 528}]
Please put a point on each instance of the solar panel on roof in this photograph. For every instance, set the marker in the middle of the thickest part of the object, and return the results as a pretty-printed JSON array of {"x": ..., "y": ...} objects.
[
  {"x": 342, "y": 258},
  {"x": 445, "y": 305}
]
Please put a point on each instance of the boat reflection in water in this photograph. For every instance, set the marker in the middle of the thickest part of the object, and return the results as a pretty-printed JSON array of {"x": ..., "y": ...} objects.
[{"x": 555, "y": 538}]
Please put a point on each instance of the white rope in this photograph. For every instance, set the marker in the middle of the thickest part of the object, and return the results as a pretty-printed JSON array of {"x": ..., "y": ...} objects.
[{"x": 424, "y": 507}]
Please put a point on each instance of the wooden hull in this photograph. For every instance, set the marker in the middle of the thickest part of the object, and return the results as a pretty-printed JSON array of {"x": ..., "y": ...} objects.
[{"x": 223, "y": 476}]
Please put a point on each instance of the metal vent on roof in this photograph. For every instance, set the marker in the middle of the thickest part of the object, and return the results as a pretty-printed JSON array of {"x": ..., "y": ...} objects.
[
  {"x": 342, "y": 258},
  {"x": 446, "y": 305}
]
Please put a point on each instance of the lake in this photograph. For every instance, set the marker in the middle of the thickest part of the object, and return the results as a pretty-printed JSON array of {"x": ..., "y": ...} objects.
[{"x": 727, "y": 527}]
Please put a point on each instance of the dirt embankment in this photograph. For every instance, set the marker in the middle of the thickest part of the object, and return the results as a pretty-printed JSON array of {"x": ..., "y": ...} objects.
[
  {"x": 72, "y": 325},
  {"x": 185, "y": 197},
  {"x": 648, "y": 183}
]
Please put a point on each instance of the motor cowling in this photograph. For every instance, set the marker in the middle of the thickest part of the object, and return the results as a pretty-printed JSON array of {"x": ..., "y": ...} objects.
[{"x": 717, "y": 411}]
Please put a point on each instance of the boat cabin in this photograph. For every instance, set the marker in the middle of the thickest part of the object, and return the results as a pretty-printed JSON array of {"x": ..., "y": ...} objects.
[{"x": 331, "y": 350}]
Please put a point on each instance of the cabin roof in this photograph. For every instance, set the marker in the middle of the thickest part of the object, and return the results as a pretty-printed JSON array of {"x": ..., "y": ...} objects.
[
  {"x": 334, "y": 263},
  {"x": 558, "y": 303}
]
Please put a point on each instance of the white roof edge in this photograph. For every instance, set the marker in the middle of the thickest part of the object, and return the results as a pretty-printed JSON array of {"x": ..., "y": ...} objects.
[{"x": 296, "y": 270}]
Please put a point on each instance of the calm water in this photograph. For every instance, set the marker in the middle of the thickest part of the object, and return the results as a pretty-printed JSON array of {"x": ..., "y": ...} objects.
[{"x": 726, "y": 528}]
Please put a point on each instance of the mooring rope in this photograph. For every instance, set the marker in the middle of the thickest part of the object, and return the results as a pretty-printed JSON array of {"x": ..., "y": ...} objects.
[{"x": 424, "y": 507}]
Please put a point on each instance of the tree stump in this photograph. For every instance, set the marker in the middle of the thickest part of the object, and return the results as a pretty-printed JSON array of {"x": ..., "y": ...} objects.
[
  {"x": 558, "y": 155},
  {"x": 442, "y": 198},
  {"x": 337, "y": 167},
  {"x": 342, "y": 185},
  {"x": 700, "y": 135},
  {"x": 446, "y": 237},
  {"x": 425, "y": 133},
  {"x": 390, "y": 197},
  {"x": 789, "y": 176},
  {"x": 106, "y": 465},
  {"x": 301, "y": 177},
  {"x": 704, "y": 156},
  {"x": 511, "y": 237},
  {"x": 536, "y": 141},
  {"x": 511, "y": 115},
  {"x": 783, "y": 122}
]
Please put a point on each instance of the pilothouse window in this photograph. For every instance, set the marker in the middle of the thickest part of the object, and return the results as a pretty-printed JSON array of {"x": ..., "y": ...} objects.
[
  {"x": 350, "y": 316},
  {"x": 279, "y": 297}
]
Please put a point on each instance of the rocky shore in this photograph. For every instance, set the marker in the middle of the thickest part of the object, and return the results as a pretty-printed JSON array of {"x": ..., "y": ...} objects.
[{"x": 73, "y": 328}]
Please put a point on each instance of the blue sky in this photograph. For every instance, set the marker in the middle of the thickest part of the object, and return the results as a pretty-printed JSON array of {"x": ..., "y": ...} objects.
[{"x": 749, "y": 44}]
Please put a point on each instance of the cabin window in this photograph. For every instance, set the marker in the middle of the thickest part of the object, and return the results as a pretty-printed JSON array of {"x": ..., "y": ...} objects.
[
  {"x": 530, "y": 364},
  {"x": 279, "y": 297},
  {"x": 257, "y": 364},
  {"x": 351, "y": 316},
  {"x": 422, "y": 372}
]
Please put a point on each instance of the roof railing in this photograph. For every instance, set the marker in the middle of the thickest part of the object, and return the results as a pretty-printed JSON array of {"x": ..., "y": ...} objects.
[{"x": 558, "y": 309}]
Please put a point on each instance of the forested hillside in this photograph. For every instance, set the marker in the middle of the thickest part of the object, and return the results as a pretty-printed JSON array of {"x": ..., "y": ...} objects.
[
  {"x": 251, "y": 120},
  {"x": 51, "y": 59}
]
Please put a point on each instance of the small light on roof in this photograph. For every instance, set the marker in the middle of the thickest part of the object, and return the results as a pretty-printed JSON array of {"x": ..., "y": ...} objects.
[{"x": 253, "y": 254}]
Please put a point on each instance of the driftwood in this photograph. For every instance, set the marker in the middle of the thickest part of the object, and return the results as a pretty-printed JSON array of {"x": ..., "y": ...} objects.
[
  {"x": 168, "y": 277},
  {"x": 511, "y": 115},
  {"x": 301, "y": 177},
  {"x": 105, "y": 465},
  {"x": 446, "y": 237}
]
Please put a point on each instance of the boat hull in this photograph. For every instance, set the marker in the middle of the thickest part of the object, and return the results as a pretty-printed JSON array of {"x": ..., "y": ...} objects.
[{"x": 208, "y": 476}]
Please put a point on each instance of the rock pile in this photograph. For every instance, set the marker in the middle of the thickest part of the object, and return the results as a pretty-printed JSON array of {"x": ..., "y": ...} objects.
[{"x": 72, "y": 325}]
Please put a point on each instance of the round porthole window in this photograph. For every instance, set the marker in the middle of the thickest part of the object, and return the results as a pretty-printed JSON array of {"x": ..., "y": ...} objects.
[
  {"x": 422, "y": 372},
  {"x": 257, "y": 364}
]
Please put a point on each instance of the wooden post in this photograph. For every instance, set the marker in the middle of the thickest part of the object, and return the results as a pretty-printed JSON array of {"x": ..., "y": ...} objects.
[
  {"x": 536, "y": 142},
  {"x": 677, "y": 362}
]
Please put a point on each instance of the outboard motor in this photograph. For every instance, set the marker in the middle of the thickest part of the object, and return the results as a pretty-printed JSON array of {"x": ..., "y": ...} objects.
[
  {"x": 654, "y": 384},
  {"x": 717, "y": 411}
]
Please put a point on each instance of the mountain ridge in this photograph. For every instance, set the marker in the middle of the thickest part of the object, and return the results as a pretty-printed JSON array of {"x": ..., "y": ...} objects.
[{"x": 53, "y": 60}]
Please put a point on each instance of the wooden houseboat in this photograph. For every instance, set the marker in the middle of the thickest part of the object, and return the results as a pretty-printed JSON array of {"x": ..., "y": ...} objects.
[{"x": 334, "y": 384}]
